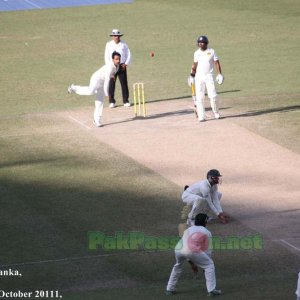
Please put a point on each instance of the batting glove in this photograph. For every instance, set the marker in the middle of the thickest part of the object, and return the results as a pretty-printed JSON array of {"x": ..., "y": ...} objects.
[
  {"x": 191, "y": 80},
  {"x": 219, "y": 78}
]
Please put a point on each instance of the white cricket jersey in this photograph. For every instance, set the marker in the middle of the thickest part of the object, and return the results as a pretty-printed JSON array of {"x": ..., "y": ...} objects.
[
  {"x": 204, "y": 190},
  {"x": 120, "y": 47},
  {"x": 195, "y": 239},
  {"x": 105, "y": 73},
  {"x": 205, "y": 60}
]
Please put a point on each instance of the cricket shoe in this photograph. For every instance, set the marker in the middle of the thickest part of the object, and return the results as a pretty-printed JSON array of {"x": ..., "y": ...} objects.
[
  {"x": 217, "y": 116},
  {"x": 201, "y": 120},
  {"x": 98, "y": 123},
  {"x": 127, "y": 104},
  {"x": 214, "y": 292},
  {"x": 170, "y": 293},
  {"x": 112, "y": 105},
  {"x": 71, "y": 89}
]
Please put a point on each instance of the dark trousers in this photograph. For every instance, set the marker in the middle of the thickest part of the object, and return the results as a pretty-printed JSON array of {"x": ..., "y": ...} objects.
[{"x": 122, "y": 75}]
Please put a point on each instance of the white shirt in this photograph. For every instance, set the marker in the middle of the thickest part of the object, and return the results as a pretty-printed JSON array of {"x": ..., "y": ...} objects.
[
  {"x": 204, "y": 190},
  {"x": 205, "y": 60},
  {"x": 120, "y": 47},
  {"x": 105, "y": 73},
  {"x": 195, "y": 239}
]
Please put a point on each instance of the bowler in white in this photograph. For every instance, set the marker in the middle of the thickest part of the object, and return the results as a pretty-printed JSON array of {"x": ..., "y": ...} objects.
[{"x": 99, "y": 85}]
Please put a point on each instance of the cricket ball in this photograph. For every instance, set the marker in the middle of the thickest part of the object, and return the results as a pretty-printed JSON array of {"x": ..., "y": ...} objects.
[{"x": 151, "y": 54}]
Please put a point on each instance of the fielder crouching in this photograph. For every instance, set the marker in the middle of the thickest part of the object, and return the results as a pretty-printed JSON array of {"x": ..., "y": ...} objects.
[
  {"x": 203, "y": 197},
  {"x": 194, "y": 246}
]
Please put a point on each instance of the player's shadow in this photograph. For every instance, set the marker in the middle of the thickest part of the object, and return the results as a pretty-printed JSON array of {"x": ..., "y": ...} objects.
[
  {"x": 188, "y": 96},
  {"x": 181, "y": 112},
  {"x": 190, "y": 111},
  {"x": 252, "y": 113},
  {"x": 31, "y": 162}
]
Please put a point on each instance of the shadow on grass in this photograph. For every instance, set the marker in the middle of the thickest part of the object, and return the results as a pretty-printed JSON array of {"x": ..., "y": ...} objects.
[
  {"x": 50, "y": 222},
  {"x": 190, "y": 111},
  {"x": 265, "y": 111},
  {"x": 46, "y": 222},
  {"x": 180, "y": 112},
  {"x": 31, "y": 162},
  {"x": 188, "y": 96}
]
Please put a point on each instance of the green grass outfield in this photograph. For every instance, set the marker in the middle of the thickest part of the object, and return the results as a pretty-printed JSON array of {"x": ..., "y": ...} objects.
[
  {"x": 42, "y": 52},
  {"x": 57, "y": 187}
]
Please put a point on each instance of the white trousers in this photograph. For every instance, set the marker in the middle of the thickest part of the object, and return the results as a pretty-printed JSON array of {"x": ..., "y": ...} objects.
[
  {"x": 202, "y": 83},
  {"x": 199, "y": 205},
  {"x": 202, "y": 260},
  {"x": 96, "y": 87}
]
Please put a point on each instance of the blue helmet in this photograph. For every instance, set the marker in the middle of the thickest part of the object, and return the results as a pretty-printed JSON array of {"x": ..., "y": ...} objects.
[
  {"x": 202, "y": 39},
  {"x": 213, "y": 173},
  {"x": 213, "y": 176}
]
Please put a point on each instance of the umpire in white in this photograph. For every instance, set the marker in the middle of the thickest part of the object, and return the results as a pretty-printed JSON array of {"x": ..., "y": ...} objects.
[
  {"x": 195, "y": 246},
  {"x": 119, "y": 46}
]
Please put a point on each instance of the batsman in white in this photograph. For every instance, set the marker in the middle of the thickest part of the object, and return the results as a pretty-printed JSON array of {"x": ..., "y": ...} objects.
[
  {"x": 195, "y": 246},
  {"x": 99, "y": 85},
  {"x": 205, "y": 59},
  {"x": 203, "y": 197}
]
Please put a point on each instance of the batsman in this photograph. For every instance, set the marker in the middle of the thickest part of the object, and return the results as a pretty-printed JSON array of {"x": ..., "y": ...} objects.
[{"x": 201, "y": 78}]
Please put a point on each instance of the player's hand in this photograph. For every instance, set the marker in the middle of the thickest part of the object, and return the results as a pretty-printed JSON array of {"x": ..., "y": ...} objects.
[
  {"x": 123, "y": 66},
  {"x": 224, "y": 218},
  {"x": 191, "y": 80},
  {"x": 220, "y": 79}
]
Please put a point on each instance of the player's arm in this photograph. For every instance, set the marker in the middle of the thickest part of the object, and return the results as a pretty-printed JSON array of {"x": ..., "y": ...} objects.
[
  {"x": 191, "y": 79},
  {"x": 218, "y": 67},
  {"x": 194, "y": 68},
  {"x": 221, "y": 216},
  {"x": 224, "y": 218},
  {"x": 216, "y": 200},
  {"x": 128, "y": 56},
  {"x": 211, "y": 205}
]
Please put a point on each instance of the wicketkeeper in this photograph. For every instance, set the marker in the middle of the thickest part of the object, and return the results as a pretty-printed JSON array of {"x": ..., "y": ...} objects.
[{"x": 205, "y": 59}]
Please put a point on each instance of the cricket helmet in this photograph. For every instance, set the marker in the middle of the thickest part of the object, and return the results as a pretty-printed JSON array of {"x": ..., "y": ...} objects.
[
  {"x": 213, "y": 173},
  {"x": 213, "y": 176},
  {"x": 202, "y": 39}
]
